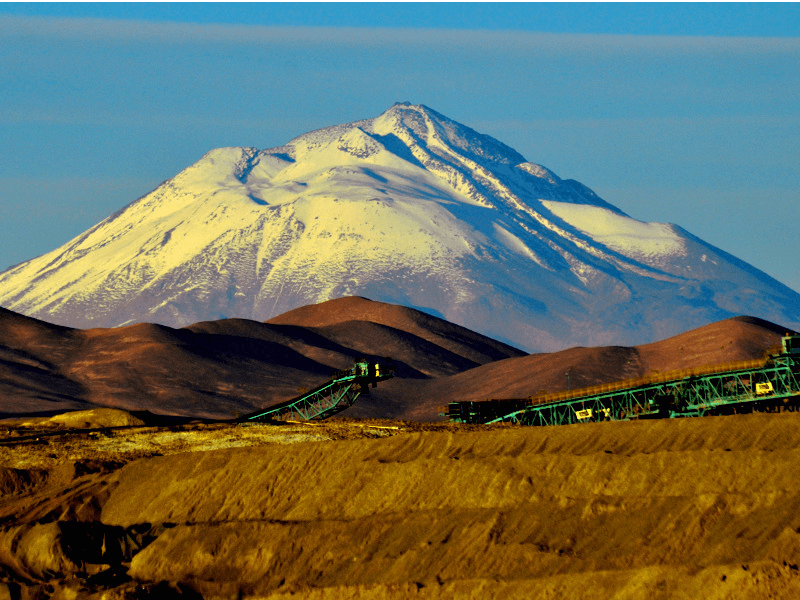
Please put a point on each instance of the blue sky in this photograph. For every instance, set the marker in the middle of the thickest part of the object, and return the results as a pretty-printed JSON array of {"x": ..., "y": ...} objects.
[{"x": 685, "y": 113}]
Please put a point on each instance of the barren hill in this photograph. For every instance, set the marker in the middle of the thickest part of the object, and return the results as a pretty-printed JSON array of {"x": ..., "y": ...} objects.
[
  {"x": 459, "y": 340},
  {"x": 217, "y": 369},
  {"x": 220, "y": 368}
]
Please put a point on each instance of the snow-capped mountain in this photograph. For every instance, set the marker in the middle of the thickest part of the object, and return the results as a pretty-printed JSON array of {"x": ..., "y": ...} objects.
[{"x": 409, "y": 207}]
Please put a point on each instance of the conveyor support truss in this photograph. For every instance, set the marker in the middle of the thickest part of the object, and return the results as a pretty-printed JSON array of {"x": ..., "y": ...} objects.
[
  {"x": 768, "y": 385},
  {"x": 331, "y": 397}
]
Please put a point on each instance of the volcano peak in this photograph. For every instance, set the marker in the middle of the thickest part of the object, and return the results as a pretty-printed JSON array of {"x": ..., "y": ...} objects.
[{"x": 409, "y": 207}]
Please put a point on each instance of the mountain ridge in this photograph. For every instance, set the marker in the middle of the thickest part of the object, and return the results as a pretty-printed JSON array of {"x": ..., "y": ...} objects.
[{"x": 409, "y": 207}]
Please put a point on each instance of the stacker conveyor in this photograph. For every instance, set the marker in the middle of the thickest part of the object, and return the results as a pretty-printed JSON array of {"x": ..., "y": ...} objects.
[
  {"x": 763, "y": 385},
  {"x": 333, "y": 396}
]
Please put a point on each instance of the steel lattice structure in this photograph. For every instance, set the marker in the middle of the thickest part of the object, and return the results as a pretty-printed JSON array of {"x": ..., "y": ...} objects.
[
  {"x": 772, "y": 385},
  {"x": 331, "y": 397}
]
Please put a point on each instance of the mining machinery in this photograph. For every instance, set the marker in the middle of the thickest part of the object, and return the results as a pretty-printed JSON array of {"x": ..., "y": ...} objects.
[
  {"x": 335, "y": 395},
  {"x": 769, "y": 385}
]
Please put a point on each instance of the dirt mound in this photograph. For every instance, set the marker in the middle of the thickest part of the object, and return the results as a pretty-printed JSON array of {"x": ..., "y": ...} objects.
[
  {"x": 463, "y": 510},
  {"x": 678, "y": 508},
  {"x": 95, "y": 418}
]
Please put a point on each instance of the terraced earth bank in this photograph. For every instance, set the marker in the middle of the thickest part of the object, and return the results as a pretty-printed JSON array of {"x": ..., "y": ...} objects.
[{"x": 105, "y": 505}]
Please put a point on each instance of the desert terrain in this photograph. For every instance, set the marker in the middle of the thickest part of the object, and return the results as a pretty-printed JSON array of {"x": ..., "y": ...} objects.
[
  {"x": 102, "y": 504},
  {"x": 221, "y": 369},
  {"x": 123, "y": 476}
]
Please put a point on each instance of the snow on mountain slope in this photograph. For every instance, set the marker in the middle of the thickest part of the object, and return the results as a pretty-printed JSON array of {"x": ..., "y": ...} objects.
[
  {"x": 627, "y": 236},
  {"x": 409, "y": 207}
]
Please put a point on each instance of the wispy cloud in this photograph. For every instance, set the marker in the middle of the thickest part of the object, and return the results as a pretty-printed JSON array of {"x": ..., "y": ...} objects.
[
  {"x": 124, "y": 31},
  {"x": 86, "y": 96}
]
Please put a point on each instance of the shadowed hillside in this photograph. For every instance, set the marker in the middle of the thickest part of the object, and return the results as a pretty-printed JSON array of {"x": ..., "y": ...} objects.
[{"x": 219, "y": 369}]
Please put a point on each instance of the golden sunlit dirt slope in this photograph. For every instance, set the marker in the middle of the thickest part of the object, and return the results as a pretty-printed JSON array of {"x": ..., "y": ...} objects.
[{"x": 695, "y": 508}]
